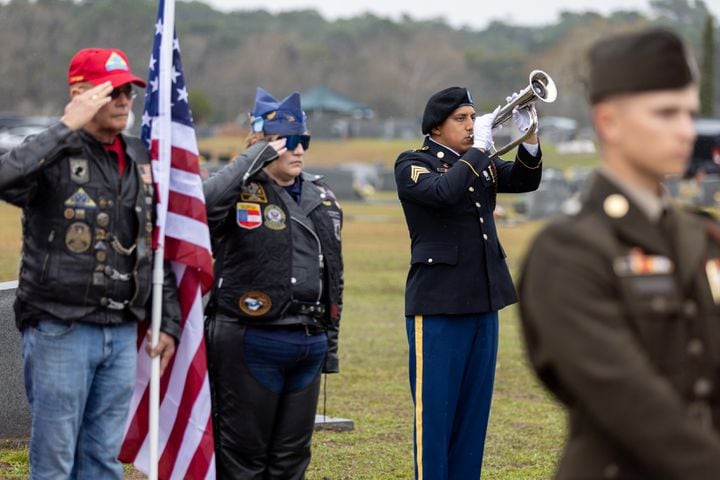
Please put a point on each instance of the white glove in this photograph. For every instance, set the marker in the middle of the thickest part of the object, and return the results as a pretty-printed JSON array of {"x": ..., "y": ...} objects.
[
  {"x": 521, "y": 117},
  {"x": 482, "y": 130}
]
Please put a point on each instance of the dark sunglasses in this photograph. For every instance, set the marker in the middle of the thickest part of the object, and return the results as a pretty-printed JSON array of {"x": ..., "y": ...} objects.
[
  {"x": 292, "y": 141},
  {"x": 128, "y": 90}
]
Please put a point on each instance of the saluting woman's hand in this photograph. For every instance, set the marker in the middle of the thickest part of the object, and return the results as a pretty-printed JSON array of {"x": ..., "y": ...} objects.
[{"x": 279, "y": 146}]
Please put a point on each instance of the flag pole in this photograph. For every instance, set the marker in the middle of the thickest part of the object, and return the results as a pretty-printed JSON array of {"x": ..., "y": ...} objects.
[{"x": 165, "y": 150}]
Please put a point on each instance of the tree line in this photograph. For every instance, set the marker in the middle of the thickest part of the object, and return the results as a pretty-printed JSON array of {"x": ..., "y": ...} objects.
[{"x": 392, "y": 66}]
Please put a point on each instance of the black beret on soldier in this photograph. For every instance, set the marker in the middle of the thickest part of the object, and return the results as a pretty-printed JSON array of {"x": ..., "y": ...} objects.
[
  {"x": 442, "y": 104},
  {"x": 654, "y": 59}
]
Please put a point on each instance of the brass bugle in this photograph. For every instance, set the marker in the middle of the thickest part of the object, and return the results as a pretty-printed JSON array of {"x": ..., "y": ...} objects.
[{"x": 540, "y": 87}]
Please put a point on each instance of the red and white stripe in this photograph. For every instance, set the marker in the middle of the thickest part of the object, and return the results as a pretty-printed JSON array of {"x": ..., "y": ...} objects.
[{"x": 185, "y": 441}]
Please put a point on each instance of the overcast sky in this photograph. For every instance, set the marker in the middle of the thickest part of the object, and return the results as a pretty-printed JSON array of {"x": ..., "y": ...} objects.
[{"x": 472, "y": 13}]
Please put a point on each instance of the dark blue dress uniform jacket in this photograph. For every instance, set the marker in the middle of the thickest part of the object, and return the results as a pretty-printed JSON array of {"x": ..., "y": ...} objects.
[{"x": 457, "y": 264}]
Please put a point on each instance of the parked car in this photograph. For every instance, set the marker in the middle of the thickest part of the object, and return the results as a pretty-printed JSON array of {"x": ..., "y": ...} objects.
[
  {"x": 13, "y": 137},
  {"x": 706, "y": 152},
  {"x": 17, "y": 127}
]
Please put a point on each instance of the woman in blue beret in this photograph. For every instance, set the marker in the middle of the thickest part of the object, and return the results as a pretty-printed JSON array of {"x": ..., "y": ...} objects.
[{"x": 273, "y": 320}]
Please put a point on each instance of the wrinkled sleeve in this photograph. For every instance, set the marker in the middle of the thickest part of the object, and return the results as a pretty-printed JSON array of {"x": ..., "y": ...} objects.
[
  {"x": 19, "y": 167},
  {"x": 522, "y": 175},
  {"x": 222, "y": 189},
  {"x": 171, "y": 314}
]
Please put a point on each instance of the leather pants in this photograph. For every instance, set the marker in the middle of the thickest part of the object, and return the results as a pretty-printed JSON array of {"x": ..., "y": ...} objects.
[{"x": 259, "y": 434}]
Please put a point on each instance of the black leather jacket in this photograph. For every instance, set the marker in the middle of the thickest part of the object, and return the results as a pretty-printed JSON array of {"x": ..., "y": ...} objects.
[
  {"x": 277, "y": 262},
  {"x": 86, "y": 231}
]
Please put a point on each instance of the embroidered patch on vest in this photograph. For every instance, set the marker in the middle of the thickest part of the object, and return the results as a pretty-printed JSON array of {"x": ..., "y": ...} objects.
[
  {"x": 78, "y": 237},
  {"x": 255, "y": 303},
  {"x": 248, "y": 215},
  {"x": 253, "y": 192},
  {"x": 145, "y": 174},
  {"x": 275, "y": 218},
  {"x": 336, "y": 227},
  {"x": 80, "y": 199},
  {"x": 79, "y": 171}
]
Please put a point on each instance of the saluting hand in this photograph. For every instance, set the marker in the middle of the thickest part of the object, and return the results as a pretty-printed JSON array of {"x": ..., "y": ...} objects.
[
  {"x": 279, "y": 146},
  {"x": 83, "y": 106}
]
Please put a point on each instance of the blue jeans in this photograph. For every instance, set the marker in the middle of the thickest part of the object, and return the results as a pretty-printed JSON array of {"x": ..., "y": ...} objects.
[
  {"x": 281, "y": 364},
  {"x": 78, "y": 379}
]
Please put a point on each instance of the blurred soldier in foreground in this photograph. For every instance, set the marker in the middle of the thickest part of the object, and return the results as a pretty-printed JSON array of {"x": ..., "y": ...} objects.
[
  {"x": 620, "y": 300},
  {"x": 277, "y": 299},
  {"x": 85, "y": 278},
  {"x": 458, "y": 278}
]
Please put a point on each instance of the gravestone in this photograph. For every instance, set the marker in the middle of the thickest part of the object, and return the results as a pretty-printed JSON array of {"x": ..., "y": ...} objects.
[
  {"x": 341, "y": 182},
  {"x": 15, "y": 412},
  {"x": 550, "y": 196}
]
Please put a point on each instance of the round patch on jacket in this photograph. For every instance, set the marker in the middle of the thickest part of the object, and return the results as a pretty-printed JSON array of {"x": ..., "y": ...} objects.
[
  {"x": 255, "y": 303},
  {"x": 275, "y": 218},
  {"x": 78, "y": 237}
]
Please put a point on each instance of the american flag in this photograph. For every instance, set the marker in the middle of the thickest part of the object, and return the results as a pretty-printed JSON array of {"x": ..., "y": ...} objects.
[{"x": 185, "y": 448}]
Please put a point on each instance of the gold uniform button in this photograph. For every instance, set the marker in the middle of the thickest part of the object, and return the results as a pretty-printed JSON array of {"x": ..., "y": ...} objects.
[
  {"x": 482, "y": 220},
  {"x": 616, "y": 206},
  {"x": 477, "y": 204},
  {"x": 695, "y": 347},
  {"x": 471, "y": 189},
  {"x": 659, "y": 304},
  {"x": 690, "y": 308},
  {"x": 702, "y": 387}
]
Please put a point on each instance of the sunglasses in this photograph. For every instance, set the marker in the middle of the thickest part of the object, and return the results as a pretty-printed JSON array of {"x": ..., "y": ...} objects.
[
  {"x": 292, "y": 141},
  {"x": 127, "y": 90}
]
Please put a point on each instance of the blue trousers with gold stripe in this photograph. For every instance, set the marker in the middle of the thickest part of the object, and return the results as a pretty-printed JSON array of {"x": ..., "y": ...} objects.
[{"x": 452, "y": 370}]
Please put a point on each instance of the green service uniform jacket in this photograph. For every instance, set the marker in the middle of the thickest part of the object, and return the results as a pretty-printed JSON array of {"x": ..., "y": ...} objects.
[{"x": 623, "y": 328}]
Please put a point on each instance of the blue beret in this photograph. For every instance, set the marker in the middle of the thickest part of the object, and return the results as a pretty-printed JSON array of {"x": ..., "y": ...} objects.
[{"x": 274, "y": 117}]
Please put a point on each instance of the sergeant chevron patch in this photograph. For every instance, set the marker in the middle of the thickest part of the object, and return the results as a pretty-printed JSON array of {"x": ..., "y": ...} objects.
[{"x": 416, "y": 171}]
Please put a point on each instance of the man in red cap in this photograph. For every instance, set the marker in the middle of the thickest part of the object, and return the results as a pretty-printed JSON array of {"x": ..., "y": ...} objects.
[{"x": 85, "y": 278}]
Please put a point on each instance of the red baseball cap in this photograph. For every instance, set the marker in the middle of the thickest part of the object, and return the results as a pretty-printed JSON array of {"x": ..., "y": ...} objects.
[{"x": 97, "y": 65}]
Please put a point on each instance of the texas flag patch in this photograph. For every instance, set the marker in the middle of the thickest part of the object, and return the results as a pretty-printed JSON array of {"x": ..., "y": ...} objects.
[{"x": 248, "y": 215}]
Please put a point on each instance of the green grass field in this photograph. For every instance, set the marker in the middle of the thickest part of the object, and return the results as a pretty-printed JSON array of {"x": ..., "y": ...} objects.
[{"x": 526, "y": 428}]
